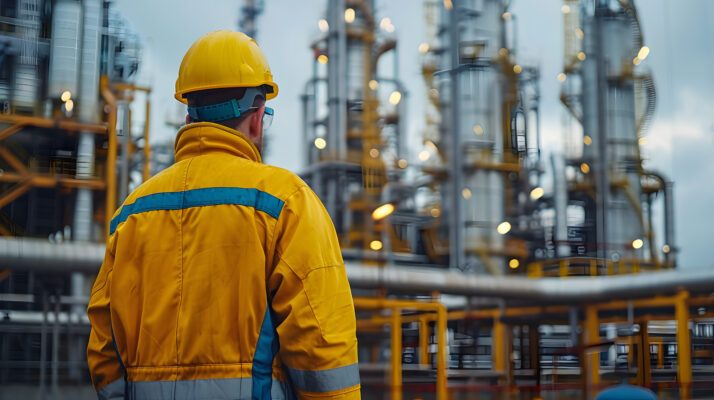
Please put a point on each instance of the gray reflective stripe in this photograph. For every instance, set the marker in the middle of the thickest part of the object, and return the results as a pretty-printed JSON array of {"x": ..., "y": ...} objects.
[
  {"x": 326, "y": 380},
  {"x": 113, "y": 391},
  {"x": 218, "y": 389}
]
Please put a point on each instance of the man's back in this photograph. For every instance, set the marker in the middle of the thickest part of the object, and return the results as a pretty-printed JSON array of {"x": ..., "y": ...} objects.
[{"x": 212, "y": 266}]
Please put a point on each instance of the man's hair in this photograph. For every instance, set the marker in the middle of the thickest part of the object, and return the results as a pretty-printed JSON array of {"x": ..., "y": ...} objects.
[{"x": 214, "y": 96}]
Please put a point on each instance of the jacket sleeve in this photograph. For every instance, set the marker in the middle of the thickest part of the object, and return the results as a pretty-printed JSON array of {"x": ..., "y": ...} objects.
[
  {"x": 312, "y": 302},
  {"x": 104, "y": 366}
]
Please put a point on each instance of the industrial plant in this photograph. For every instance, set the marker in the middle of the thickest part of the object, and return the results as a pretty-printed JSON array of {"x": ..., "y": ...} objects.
[{"x": 483, "y": 265}]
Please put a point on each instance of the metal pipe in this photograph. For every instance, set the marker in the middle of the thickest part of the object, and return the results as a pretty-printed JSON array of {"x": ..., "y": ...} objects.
[
  {"x": 456, "y": 244},
  {"x": 147, "y": 147},
  {"x": 669, "y": 240},
  {"x": 560, "y": 201},
  {"x": 55, "y": 349},
  {"x": 124, "y": 130},
  {"x": 110, "y": 203},
  {"x": 579, "y": 289},
  {"x": 26, "y": 254},
  {"x": 43, "y": 344},
  {"x": 38, "y": 255}
]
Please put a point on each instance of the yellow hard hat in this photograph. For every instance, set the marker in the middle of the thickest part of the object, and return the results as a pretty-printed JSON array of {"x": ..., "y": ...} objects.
[{"x": 224, "y": 59}]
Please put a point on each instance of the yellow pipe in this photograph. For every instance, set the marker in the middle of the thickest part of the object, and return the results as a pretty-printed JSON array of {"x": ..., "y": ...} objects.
[
  {"x": 396, "y": 357},
  {"x": 110, "y": 204},
  {"x": 441, "y": 382},
  {"x": 497, "y": 346},
  {"x": 593, "y": 267},
  {"x": 684, "y": 359},
  {"x": 563, "y": 268},
  {"x": 424, "y": 341}
]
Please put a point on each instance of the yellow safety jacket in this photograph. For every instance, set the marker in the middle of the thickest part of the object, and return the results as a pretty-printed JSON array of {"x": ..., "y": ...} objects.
[{"x": 222, "y": 279}]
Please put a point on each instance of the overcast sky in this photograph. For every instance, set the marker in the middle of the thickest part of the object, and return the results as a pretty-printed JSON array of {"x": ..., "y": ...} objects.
[{"x": 678, "y": 32}]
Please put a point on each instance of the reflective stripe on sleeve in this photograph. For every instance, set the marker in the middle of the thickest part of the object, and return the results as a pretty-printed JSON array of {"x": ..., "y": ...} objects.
[
  {"x": 327, "y": 380},
  {"x": 113, "y": 391}
]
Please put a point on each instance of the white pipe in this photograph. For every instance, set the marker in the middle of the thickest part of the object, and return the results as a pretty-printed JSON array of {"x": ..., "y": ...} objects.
[{"x": 35, "y": 254}]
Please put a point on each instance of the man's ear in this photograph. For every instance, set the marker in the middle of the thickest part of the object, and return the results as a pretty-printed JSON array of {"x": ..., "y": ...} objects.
[{"x": 255, "y": 120}]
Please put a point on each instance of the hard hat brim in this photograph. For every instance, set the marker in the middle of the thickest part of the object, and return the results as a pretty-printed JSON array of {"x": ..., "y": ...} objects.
[{"x": 180, "y": 95}]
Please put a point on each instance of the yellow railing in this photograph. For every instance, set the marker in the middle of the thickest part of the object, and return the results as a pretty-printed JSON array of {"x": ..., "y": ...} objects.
[{"x": 590, "y": 266}]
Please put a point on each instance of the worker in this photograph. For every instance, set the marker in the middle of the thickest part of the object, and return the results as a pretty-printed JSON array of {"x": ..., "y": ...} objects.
[{"x": 223, "y": 277}]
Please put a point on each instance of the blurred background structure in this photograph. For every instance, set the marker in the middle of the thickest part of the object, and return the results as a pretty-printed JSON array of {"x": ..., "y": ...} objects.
[{"x": 480, "y": 266}]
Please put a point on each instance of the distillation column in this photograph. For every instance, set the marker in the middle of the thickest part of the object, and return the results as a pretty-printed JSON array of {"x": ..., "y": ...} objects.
[
  {"x": 473, "y": 133},
  {"x": 608, "y": 100}
]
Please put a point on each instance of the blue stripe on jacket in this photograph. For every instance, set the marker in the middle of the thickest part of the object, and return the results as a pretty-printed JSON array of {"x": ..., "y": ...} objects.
[{"x": 255, "y": 198}]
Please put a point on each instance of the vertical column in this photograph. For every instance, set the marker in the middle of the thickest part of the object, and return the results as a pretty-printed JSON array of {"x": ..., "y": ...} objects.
[
  {"x": 534, "y": 348},
  {"x": 592, "y": 336},
  {"x": 500, "y": 348},
  {"x": 441, "y": 355},
  {"x": 456, "y": 243},
  {"x": 424, "y": 340},
  {"x": 396, "y": 371},
  {"x": 684, "y": 358},
  {"x": 646, "y": 358}
]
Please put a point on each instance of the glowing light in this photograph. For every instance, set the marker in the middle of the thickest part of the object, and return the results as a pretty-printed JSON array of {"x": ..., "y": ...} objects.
[
  {"x": 424, "y": 155},
  {"x": 374, "y": 153},
  {"x": 562, "y": 77},
  {"x": 585, "y": 168},
  {"x": 537, "y": 193},
  {"x": 350, "y": 15},
  {"x": 435, "y": 212},
  {"x": 322, "y": 59},
  {"x": 382, "y": 211},
  {"x": 517, "y": 69},
  {"x": 69, "y": 105},
  {"x": 320, "y": 143},
  {"x": 504, "y": 227},
  {"x": 373, "y": 84},
  {"x": 506, "y": 15},
  {"x": 375, "y": 245},
  {"x": 431, "y": 146},
  {"x": 448, "y": 4},
  {"x": 581, "y": 56},
  {"x": 587, "y": 140},
  {"x": 466, "y": 193},
  {"x": 323, "y": 25},
  {"x": 643, "y": 53},
  {"x": 395, "y": 97},
  {"x": 636, "y": 61},
  {"x": 565, "y": 9},
  {"x": 666, "y": 249},
  {"x": 637, "y": 244},
  {"x": 424, "y": 48},
  {"x": 478, "y": 129},
  {"x": 384, "y": 23},
  {"x": 503, "y": 51},
  {"x": 642, "y": 141},
  {"x": 66, "y": 95},
  {"x": 389, "y": 28},
  {"x": 579, "y": 33},
  {"x": 402, "y": 163},
  {"x": 514, "y": 263}
]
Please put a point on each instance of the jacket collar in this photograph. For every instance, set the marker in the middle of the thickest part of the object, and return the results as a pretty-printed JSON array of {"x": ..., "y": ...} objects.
[{"x": 206, "y": 137}]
